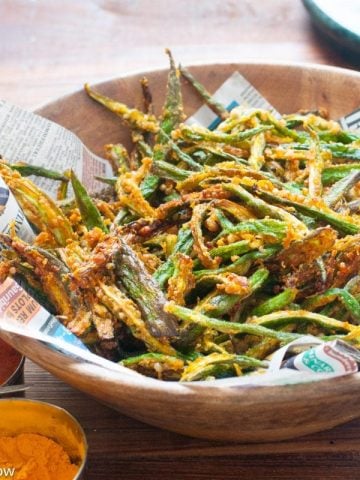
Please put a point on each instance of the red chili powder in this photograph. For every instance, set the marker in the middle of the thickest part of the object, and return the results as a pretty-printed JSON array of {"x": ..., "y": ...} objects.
[{"x": 9, "y": 361}]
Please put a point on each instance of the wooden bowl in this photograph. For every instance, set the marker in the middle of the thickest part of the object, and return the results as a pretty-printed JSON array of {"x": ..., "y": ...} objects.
[{"x": 246, "y": 414}]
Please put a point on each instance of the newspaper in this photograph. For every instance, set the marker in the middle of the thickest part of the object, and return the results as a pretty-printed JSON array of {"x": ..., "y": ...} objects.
[
  {"x": 29, "y": 137},
  {"x": 351, "y": 121},
  {"x": 317, "y": 360},
  {"x": 23, "y": 315},
  {"x": 18, "y": 306},
  {"x": 11, "y": 215},
  {"x": 235, "y": 91}
]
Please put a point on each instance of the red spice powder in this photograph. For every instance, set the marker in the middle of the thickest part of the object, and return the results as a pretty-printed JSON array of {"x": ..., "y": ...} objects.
[{"x": 9, "y": 361}]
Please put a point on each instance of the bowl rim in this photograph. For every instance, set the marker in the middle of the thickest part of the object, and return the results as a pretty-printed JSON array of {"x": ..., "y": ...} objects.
[{"x": 199, "y": 63}]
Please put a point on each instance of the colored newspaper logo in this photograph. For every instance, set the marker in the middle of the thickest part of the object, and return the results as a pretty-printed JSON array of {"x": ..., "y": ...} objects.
[{"x": 312, "y": 361}]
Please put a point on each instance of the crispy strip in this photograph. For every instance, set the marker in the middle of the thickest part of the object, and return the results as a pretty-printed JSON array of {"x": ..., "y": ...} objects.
[
  {"x": 307, "y": 249},
  {"x": 199, "y": 214},
  {"x": 183, "y": 280}
]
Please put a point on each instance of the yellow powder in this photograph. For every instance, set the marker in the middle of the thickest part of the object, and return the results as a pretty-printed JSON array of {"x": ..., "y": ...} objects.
[{"x": 35, "y": 457}]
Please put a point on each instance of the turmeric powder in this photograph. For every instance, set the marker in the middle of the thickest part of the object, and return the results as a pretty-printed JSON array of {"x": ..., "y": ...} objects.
[{"x": 35, "y": 457}]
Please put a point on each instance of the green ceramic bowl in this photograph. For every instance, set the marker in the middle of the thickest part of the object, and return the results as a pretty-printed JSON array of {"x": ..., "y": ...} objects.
[{"x": 338, "y": 19}]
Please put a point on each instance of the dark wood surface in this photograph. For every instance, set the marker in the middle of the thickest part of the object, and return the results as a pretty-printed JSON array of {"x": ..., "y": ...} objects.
[
  {"x": 122, "y": 448},
  {"x": 48, "y": 49}
]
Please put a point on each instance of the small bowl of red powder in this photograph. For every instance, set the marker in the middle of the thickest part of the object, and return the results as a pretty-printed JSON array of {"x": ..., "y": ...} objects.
[{"x": 11, "y": 365}]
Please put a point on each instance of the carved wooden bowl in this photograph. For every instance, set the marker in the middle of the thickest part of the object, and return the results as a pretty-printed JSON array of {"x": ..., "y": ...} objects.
[{"x": 246, "y": 414}]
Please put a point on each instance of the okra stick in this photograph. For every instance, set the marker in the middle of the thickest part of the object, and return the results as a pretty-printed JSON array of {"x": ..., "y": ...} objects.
[
  {"x": 26, "y": 170},
  {"x": 284, "y": 317},
  {"x": 133, "y": 117},
  {"x": 172, "y": 113},
  {"x": 142, "y": 288},
  {"x": 346, "y": 298},
  {"x": 200, "y": 134},
  {"x": 264, "y": 209},
  {"x": 88, "y": 210},
  {"x": 222, "y": 304},
  {"x": 341, "y": 187},
  {"x": 183, "y": 245},
  {"x": 279, "y": 302},
  {"x": 231, "y": 328},
  {"x": 333, "y": 219},
  {"x": 210, "y": 101}
]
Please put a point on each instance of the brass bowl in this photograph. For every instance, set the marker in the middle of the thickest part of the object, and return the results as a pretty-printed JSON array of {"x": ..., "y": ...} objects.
[{"x": 29, "y": 416}]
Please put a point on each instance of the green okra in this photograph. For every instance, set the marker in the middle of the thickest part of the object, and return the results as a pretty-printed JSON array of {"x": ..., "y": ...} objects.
[
  {"x": 347, "y": 299},
  {"x": 256, "y": 159},
  {"x": 133, "y": 117},
  {"x": 149, "y": 185},
  {"x": 107, "y": 180},
  {"x": 344, "y": 152},
  {"x": 172, "y": 114},
  {"x": 333, "y": 219},
  {"x": 169, "y": 171},
  {"x": 143, "y": 289},
  {"x": 145, "y": 148},
  {"x": 341, "y": 187},
  {"x": 206, "y": 366},
  {"x": 279, "y": 302},
  {"x": 231, "y": 328},
  {"x": 272, "y": 228},
  {"x": 221, "y": 304},
  {"x": 171, "y": 367},
  {"x": 334, "y": 173},
  {"x": 210, "y": 101},
  {"x": 197, "y": 134},
  {"x": 342, "y": 136},
  {"x": 26, "y": 170},
  {"x": 337, "y": 150},
  {"x": 88, "y": 210},
  {"x": 183, "y": 156},
  {"x": 285, "y": 317},
  {"x": 216, "y": 151},
  {"x": 225, "y": 223},
  {"x": 264, "y": 209},
  {"x": 183, "y": 245},
  {"x": 244, "y": 260},
  {"x": 227, "y": 251},
  {"x": 171, "y": 117},
  {"x": 315, "y": 165}
]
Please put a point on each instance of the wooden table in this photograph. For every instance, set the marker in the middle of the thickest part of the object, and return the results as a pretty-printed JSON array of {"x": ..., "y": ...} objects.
[{"x": 48, "y": 49}]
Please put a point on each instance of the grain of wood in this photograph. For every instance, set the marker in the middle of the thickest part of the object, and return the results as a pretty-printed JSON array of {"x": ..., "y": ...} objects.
[
  {"x": 48, "y": 49},
  {"x": 122, "y": 446}
]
